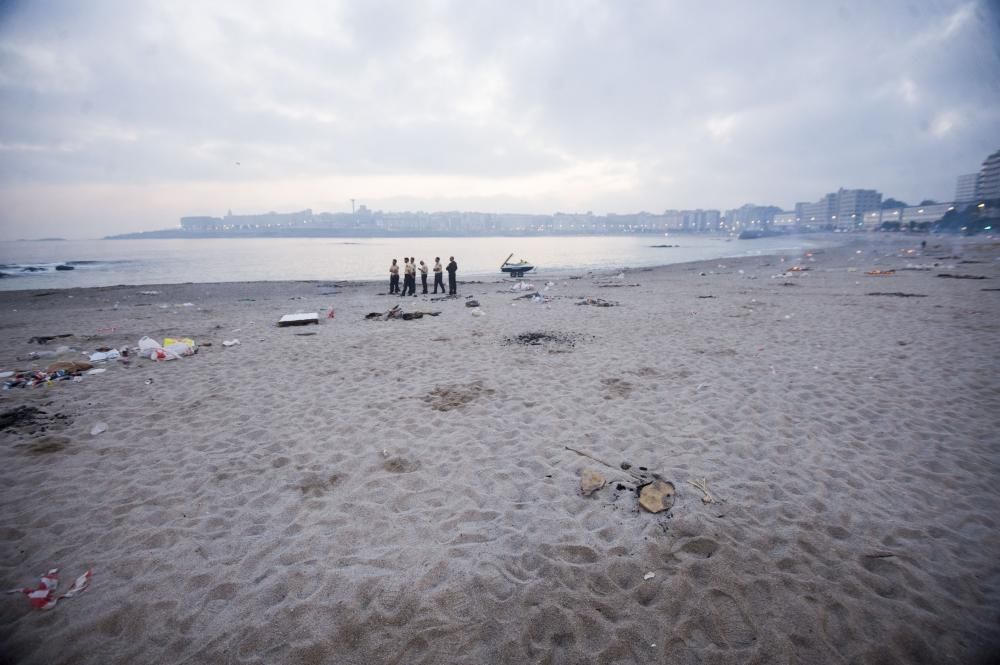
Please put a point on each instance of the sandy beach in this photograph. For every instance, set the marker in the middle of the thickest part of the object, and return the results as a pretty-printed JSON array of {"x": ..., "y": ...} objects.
[{"x": 401, "y": 491}]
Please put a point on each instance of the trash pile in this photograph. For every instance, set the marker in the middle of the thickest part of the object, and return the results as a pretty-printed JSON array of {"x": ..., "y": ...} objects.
[
  {"x": 597, "y": 302},
  {"x": 522, "y": 286},
  {"x": 171, "y": 349},
  {"x": 398, "y": 313},
  {"x": 74, "y": 370},
  {"x": 655, "y": 495}
]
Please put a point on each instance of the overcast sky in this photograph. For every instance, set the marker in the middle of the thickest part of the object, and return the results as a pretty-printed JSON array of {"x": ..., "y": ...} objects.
[{"x": 121, "y": 116}]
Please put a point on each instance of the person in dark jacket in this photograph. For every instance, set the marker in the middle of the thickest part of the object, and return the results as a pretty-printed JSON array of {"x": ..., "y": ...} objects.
[
  {"x": 438, "y": 275},
  {"x": 452, "y": 283}
]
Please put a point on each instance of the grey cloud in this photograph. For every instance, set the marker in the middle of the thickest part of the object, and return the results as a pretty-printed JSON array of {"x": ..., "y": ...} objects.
[{"x": 711, "y": 104}]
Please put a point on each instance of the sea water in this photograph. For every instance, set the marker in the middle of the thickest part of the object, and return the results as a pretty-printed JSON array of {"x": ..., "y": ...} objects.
[{"x": 111, "y": 262}]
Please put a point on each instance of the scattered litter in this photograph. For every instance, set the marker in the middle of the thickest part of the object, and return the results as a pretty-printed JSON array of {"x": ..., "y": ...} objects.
[
  {"x": 702, "y": 486},
  {"x": 103, "y": 356},
  {"x": 180, "y": 347},
  {"x": 98, "y": 428},
  {"x": 299, "y": 319},
  {"x": 45, "y": 339},
  {"x": 44, "y": 596},
  {"x": 962, "y": 276},
  {"x": 230, "y": 342},
  {"x": 597, "y": 302},
  {"x": 35, "y": 378},
  {"x": 149, "y": 293},
  {"x": 657, "y": 496},
  {"x": 149, "y": 382},
  {"x": 649, "y": 576},
  {"x": 71, "y": 366},
  {"x": 4, "y": 375},
  {"x": 522, "y": 286},
  {"x": 880, "y": 273},
  {"x": 591, "y": 481},
  {"x": 330, "y": 314},
  {"x": 398, "y": 313},
  {"x": 472, "y": 303},
  {"x": 308, "y": 334},
  {"x": 97, "y": 370},
  {"x": 478, "y": 312},
  {"x": 897, "y": 294}
]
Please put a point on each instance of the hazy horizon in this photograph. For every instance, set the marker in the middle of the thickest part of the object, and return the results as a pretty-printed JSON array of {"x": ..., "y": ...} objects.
[{"x": 121, "y": 117}]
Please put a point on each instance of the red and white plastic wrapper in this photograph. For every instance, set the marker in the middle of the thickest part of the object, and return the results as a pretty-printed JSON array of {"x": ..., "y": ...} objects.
[{"x": 45, "y": 597}]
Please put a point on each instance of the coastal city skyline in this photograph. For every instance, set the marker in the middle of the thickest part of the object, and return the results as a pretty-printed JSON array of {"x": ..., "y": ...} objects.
[{"x": 843, "y": 210}]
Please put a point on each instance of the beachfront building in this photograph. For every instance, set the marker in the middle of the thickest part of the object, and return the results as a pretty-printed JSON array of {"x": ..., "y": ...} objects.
[
  {"x": 843, "y": 210},
  {"x": 927, "y": 214},
  {"x": 989, "y": 178},
  {"x": 785, "y": 220},
  {"x": 871, "y": 221},
  {"x": 818, "y": 215},
  {"x": 966, "y": 188},
  {"x": 750, "y": 217},
  {"x": 201, "y": 224}
]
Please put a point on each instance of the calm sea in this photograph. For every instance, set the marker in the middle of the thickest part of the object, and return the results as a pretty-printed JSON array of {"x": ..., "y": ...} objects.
[{"x": 111, "y": 262}]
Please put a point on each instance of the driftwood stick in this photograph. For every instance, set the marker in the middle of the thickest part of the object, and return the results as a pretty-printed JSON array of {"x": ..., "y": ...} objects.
[
  {"x": 702, "y": 486},
  {"x": 634, "y": 475}
]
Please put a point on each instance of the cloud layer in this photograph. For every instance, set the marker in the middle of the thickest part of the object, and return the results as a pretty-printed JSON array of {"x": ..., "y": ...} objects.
[{"x": 122, "y": 116}]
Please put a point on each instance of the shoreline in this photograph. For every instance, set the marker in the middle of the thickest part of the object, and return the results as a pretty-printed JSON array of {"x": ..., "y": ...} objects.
[
  {"x": 13, "y": 282},
  {"x": 402, "y": 491}
]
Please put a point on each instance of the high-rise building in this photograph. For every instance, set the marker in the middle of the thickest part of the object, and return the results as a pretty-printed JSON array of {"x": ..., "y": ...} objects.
[
  {"x": 989, "y": 177},
  {"x": 751, "y": 216},
  {"x": 967, "y": 188},
  {"x": 843, "y": 209}
]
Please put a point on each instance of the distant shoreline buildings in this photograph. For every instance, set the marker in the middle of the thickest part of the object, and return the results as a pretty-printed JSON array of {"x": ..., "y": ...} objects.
[{"x": 846, "y": 210}]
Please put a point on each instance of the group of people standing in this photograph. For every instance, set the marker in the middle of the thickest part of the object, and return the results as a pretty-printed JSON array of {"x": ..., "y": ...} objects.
[{"x": 410, "y": 276}]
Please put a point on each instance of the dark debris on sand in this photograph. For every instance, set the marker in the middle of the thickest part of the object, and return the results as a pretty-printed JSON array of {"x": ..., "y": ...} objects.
[
  {"x": 896, "y": 294},
  {"x": 21, "y": 416},
  {"x": 539, "y": 338}
]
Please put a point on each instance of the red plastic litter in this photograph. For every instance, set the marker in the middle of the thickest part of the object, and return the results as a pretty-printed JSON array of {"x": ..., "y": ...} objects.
[{"x": 44, "y": 597}]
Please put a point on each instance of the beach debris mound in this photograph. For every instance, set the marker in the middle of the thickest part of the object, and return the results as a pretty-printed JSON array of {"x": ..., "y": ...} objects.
[
  {"x": 398, "y": 313},
  {"x": 597, "y": 302},
  {"x": 615, "y": 387},
  {"x": 22, "y": 415},
  {"x": 538, "y": 338},
  {"x": 70, "y": 366},
  {"x": 446, "y": 398},
  {"x": 657, "y": 496},
  {"x": 591, "y": 481},
  {"x": 400, "y": 465},
  {"x": 45, "y": 339}
]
